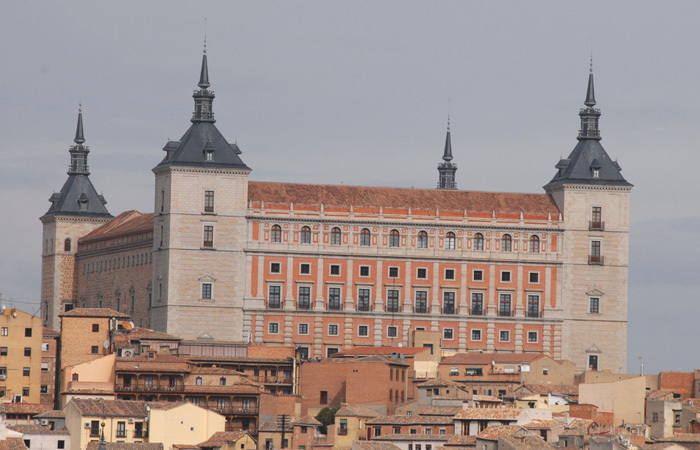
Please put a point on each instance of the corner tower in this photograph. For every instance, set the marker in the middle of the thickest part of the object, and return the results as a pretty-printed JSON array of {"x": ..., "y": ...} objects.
[
  {"x": 593, "y": 197},
  {"x": 75, "y": 210},
  {"x": 201, "y": 191},
  {"x": 447, "y": 169}
]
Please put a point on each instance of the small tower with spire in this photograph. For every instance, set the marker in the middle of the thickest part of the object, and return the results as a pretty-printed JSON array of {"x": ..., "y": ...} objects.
[
  {"x": 447, "y": 169},
  {"x": 75, "y": 210}
]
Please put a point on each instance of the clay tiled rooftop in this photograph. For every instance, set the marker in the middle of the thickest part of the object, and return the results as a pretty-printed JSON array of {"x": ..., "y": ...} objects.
[
  {"x": 682, "y": 437},
  {"x": 439, "y": 382},
  {"x": 525, "y": 442},
  {"x": 411, "y": 420},
  {"x": 366, "y": 351},
  {"x": 659, "y": 394},
  {"x": 342, "y": 195},
  {"x": 461, "y": 440},
  {"x": 221, "y": 438},
  {"x": 486, "y": 398},
  {"x": 155, "y": 362},
  {"x": 481, "y": 359},
  {"x": 48, "y": 332},
  {"x": 442, "y": 411},
  {"x": 412, "y": 437},
  {"x": 371, "y": 445},
  {"x": 126, "y": 446},
  {"x": 307, "y": 420},
  {"x": 356, "y": 411},
  {"x": 146, "y": 333},
  {"x": 118, "y": 408},
  {"x": 128, "y": 222},
  {"x": 557, "y": 389},
  {"x": 24, "y": 408},
  {"x": 539, "y": 424},
  {"x": 94, "y": 312},
  {"x": 493, "y": 433},
  {"x": 53, "y": 414},
  {"x": 14, "y": 443},
  {"x": 36, "y": 429},
  {"x": 489, "y": 414}
]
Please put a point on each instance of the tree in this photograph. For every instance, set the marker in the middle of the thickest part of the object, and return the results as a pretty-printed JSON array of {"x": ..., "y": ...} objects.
[{"x": 327, "y": 417}]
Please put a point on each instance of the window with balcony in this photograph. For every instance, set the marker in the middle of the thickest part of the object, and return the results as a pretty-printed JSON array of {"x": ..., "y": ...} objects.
[
  {"x": 477, "y": 307},
  {"x": 304, "y": 299},
  {"x": 334, "y": 299},
  {"x": 504, "y": 305},
  {"x": 336, "y": 236},
  {"x": 421, "y": 306},
  {"x": 533, "y": 305},
  {"x": 448, "y": 303},
  {"x": 305, "y": 236},
  {"x": 422, "y": 239},
  {"x": 450, "y": 241},
  {"x": 478, "y": 241},
  {"x": 276, "y": 233},
  {"x": 392, "y": 300},
  {"x": 274, "y": 297},
  {"x": 595, "y": 256},
  {"x": 365, "y": 237},
  {"x": 363, "y": 299},
  {"x": 394, "y": 238}
]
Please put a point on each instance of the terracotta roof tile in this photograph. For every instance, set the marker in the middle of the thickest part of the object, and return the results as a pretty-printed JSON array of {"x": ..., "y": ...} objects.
[
  {"x": 159, "y": 362},
  {"x": 13, "y": 443},
  {"x": 24, "y": 408},
  {"x": 307, "y": 420},
  {"x": 342, "y": 195},
  {"x": 371, "y": 445},
  {"x": 557, "y": 389},
  {"x": 356, "y": 411},
  {"x": 111, "y": 408},
  {"x": 539, "y": 424},
  {"x": 94, "y": 312},
  {"x": 36, "y": 429},
  {"x": 364, "y": 351},
  {"x": 412, "y": 437},
  {"x": 220, "y": 438},
  {"x": 486, "y": 398},
  {"x": 411, "y": 420},
  {"x": 128, "y": 222},
  {"x": 48, "y": 332},
  {"x": 461, "y": 440},
  {"x": 439, "y": 382},
  {"x": 53, "y": 414},
  {"x": 126, "y": 446},
  {"x": 493, "y": 433},
  {"x": 146, "y": 333},
  {"x": 478, "y": 358},
  {"x": 525, "y": 442},
  {"x": 489, "y": 414},
  {"x": 442, "y": 411},
  {"x": 682, "y": 437}
]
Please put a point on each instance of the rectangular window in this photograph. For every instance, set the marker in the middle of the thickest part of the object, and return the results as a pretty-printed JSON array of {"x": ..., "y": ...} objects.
[
  {"x": 335, "y": 269},
  {"x": 121, "y": 429},
  {"x": 44, "y": 367},
  {"x": 596, "y": 219},
  {"x": 448, "y": 303},
  {"x": 95, "y": 349},
  {"x": 421, "y": 302},
  {"x": 593, "y": 362},
  {"x": 27, "y": 332},
  {"x": 534, "y": 277},
  {"x": 504, "y": 305},
  {"x": 26, "y": 371},
  {"x": 532, "y": 337},
  {"x": 393, "y": 272},
  {"x": 304, "y": 299},
  {"x": 273, "y": 327},
  {"x": 594, "y": 305},
  {"x": 4, "y": 331},
  {"x": 363, "y": 299},
  {"x": 27, "y": 351},
  {"x": 533, "y": 306},
  {"x": 274, "y": 299},
  {"x": 303, "y": 328},
  {"x": 478, "y": 275},
  {"x": 333, "y": 329},
  {"x": 3, "y": 351},
  {"x": 363, "y": 331},
  {"x": 275, "y": 267},
  {"x": 449, "y": 274},
  {"x": 476, "y": 335},
  {"x": 324, "y": 398},
  {"x": 364, "y": 271},
  {"x": 94, "y": 428},
  {"x": 208, "y": 240},
  {"x": 392, "y": 300},
  {"x": 448, "y": 334},
  {"x": 209, "y": 201},
  {"x": 392, "y": 331},
  {"x": 504, "y": 336},
  {"x": 304, "y": 269},
  {"x": 595, "y": 257},
  {"x": 334, "y": 299},
  {"x": 505, "y": 276},
  {"x": 477, "y": 308},
  {"x": 95, "y": 327},
  {"x": 422, "y": 273},
  {"x": 206, "y": 290}
]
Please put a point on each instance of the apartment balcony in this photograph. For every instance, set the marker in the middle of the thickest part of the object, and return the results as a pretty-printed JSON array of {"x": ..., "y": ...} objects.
[
  {"x": 146, "y": 387},
  {"x": 596, "y": 260},
  {"x": 420, "y": 310},
  {"x": 273, "y": 380},
  {"x": 237, "y": 410},
  {"x": 476, "y": 311},
  {"x": 363, "y": 307},
  {"x": 449, "y": 309},
  {"x": 596, "y": 226},
  {"x": 334, "y": 306}
]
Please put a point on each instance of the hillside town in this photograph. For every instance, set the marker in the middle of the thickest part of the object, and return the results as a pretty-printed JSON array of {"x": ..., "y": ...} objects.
[{"x": 104, "y": 383}]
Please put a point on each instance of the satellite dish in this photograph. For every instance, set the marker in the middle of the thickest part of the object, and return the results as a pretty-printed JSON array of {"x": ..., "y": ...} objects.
[{"x": 106, "y": 343}]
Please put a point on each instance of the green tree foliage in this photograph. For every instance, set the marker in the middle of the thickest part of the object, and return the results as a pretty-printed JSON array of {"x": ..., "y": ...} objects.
[{"x": 327, "y": 417}]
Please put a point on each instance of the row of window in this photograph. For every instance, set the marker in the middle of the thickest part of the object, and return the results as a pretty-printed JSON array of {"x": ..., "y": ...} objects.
[
  {"x": 139, "y": 259},
  {"x": 5, "y": 331},
  {"x": 395, "y": 239},
  {"x": 26, "y": 371}
]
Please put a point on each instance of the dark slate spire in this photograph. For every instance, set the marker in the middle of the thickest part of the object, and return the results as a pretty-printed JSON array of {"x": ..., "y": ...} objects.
[
  {"x": 588, "y": 162},
  {"x": 447, "y": 169},
  {"x": 203, "y": 144},
  {"x": 78, "y": 196}
]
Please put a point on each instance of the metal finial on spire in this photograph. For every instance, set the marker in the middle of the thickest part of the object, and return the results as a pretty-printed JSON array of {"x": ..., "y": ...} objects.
[
  {"x": 447, "y": 155},
  {"x": 590, "y": 93},
  {"x": 204, "y": 74},
  {"x": 205, "y": 35},
  {"x": 79, "y": 135}
]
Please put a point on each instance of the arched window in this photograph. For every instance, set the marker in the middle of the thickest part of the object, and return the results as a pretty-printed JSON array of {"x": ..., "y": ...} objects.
[
  {"x": 450, "y": 241},
  {"x": 66, "y": 245},
  {"x": 422, "y": 239},
  {"x": 534, "y": 244},
  {"x": 276, "y": 233},
  {"x": 394, "y": 238},
  {"x": 305, "y": 235},
  {"x": 335, "y": 236},
  {"x": 506, "y": 243},
  {"x": 365, "y": 237},
  {"x": 478, "y": 241}
]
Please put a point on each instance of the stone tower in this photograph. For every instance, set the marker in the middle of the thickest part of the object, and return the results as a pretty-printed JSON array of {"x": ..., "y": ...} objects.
[
  {"x": 201, "y": 191},
  {"x": 447, "y": 169},
  {"x": 593, "y": 198},
  {"x": 75, "y": 211}
]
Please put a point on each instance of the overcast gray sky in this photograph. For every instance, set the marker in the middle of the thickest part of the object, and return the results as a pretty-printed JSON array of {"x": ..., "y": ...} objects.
[{"x": 358, "y": 92}]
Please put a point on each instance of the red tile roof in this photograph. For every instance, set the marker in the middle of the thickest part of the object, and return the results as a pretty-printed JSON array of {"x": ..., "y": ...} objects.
[
  {"x": 146, "y": 333},
  {"x": 489, "y": 414},
  {"x": 342, "y": 195},
  {"x": 48, "y": 332},
  {"x": 128, "y": 222},
  {"x": 13, "y": 443},
  {"x": 36, "y": 429},
  {"x": 366, "y": 351},
  {"x": 221, "y": 438},
  {"x": 95, "y": 445},
  {"x": 118, "y": 408},
  {"x": 94, "y": 312},
  {"x": 160, "y": 362},
  {"x": 24, "y": 408},
  {"x": 493, "y": 433},
  {"x": 480, "y": 359},
  {"x": 356, "y": 411}
]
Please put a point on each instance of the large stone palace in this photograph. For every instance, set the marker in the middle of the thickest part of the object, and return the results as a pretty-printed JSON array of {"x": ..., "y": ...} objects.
[{"x": 328, "y": 267}]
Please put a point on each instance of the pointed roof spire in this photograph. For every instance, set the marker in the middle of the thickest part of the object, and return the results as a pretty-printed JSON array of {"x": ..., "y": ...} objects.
[
  {"x": 447, "y": 155},
  {"x": 590, "y": 93},
  {"x": 79, "y": 135},
  {"x": 204, "y": 74}
]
